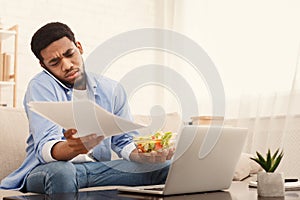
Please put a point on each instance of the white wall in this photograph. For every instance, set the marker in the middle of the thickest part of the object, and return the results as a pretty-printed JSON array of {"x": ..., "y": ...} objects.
[
  {"x": 255, "y": 39},
  {"x": 93, "y": 22},
  {"x": 254, "y": 44}
]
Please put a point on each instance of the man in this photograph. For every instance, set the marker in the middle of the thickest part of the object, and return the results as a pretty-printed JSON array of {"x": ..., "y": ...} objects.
[{"x": 57, "y": 160}]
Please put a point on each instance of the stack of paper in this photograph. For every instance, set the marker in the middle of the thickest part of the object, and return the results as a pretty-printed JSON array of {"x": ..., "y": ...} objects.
[{"x": 85, "y": 116}]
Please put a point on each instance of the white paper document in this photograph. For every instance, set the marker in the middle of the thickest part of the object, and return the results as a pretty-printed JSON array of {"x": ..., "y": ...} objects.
[{"x": 85, "y": 116}]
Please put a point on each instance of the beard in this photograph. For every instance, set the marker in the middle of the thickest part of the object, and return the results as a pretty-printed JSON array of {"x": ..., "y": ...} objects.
[{"x": 80, "y": 82}]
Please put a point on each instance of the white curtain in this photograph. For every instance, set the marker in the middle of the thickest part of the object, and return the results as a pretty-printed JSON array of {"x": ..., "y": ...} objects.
[
  {"x": 270, "y": 125},
  {"x": 272, "y": 115},
  {"x": 291, "y": 130},
  {"x": 273, "y": 121}
]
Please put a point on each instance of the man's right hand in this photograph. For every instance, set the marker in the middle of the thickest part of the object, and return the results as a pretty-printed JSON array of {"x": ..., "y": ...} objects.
[{"x": 74, "y": 146}]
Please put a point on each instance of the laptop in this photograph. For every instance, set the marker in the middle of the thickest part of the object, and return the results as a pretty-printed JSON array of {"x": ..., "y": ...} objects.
[{"x": 204, "y": 160}]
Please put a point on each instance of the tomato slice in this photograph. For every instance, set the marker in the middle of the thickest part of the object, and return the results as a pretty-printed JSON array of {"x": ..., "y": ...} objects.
[
  {"x": 140, "y": 147},
  {"x": 158, "y": 145}
]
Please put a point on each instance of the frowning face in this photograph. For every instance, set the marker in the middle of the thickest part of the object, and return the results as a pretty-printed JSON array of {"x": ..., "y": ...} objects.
[{"x": 62, "y": 58}]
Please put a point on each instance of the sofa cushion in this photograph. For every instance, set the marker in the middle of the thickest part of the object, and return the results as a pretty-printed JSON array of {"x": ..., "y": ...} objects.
[
  {"x": 245, "y": 167},
  {"x": 13, "y": 134}
]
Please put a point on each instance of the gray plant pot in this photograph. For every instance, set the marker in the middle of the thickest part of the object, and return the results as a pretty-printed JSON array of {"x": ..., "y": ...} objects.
[{"x": 270, "y": 184}]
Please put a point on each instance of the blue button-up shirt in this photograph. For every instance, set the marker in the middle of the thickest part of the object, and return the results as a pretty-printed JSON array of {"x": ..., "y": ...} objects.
[{"x": 45, "y": 87}]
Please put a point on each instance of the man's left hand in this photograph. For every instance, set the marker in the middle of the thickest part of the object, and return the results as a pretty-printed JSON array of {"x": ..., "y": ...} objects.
[{"x": 152, "y": 157}]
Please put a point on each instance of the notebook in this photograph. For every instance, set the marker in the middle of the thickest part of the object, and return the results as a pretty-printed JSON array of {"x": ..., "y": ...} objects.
[{"x": 204, "y": 160}]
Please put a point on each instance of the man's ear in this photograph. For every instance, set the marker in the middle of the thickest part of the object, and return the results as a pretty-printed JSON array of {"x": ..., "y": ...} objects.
[{"x": 78, "y": 45}]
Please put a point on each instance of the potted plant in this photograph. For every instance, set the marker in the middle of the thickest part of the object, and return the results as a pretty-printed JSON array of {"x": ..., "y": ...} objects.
[{"x": 269, "y": 183}]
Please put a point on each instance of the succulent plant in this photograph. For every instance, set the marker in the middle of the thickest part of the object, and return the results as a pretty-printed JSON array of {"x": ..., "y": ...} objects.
[{"x": 270, "y": 162}]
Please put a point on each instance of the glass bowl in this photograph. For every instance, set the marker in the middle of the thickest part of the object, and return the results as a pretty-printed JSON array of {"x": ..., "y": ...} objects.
[{"x": 156, "y": 142}]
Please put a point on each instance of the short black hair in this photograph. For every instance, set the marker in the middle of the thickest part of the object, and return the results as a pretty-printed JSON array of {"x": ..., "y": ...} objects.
[{"x": 47, "y": 34}]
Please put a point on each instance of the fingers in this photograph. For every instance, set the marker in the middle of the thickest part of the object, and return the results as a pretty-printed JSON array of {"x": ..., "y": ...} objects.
[
  {"x": 91, "y": 141},
  {"x": 69, "y": 133},
  {"x": 170, "y": 154},
  {"x": 82, "y": 145},
  {"x": 155, "y": 157}
]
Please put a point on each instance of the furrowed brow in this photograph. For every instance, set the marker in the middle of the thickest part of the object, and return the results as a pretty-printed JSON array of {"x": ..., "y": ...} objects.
[
  {"x": 68, "y": 52},
  {"x": 54, "y": 60}
]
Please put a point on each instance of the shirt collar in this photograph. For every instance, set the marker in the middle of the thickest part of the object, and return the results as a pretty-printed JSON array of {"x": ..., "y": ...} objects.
[{"x": 92, "y": 83}]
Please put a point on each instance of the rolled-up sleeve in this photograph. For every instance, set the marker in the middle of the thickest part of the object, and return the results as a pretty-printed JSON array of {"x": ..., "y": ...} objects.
[
  {"x": 126, "y": 151},
  {"x": 122, "y": 144},
  {"x": 46, "y": 151}
]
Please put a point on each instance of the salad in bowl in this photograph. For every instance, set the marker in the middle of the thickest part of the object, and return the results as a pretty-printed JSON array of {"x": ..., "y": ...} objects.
[{"x": 155, "y": 142}]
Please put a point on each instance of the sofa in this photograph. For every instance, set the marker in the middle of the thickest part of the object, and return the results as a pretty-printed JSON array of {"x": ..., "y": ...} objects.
[{"x": 14, "y": 132}]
